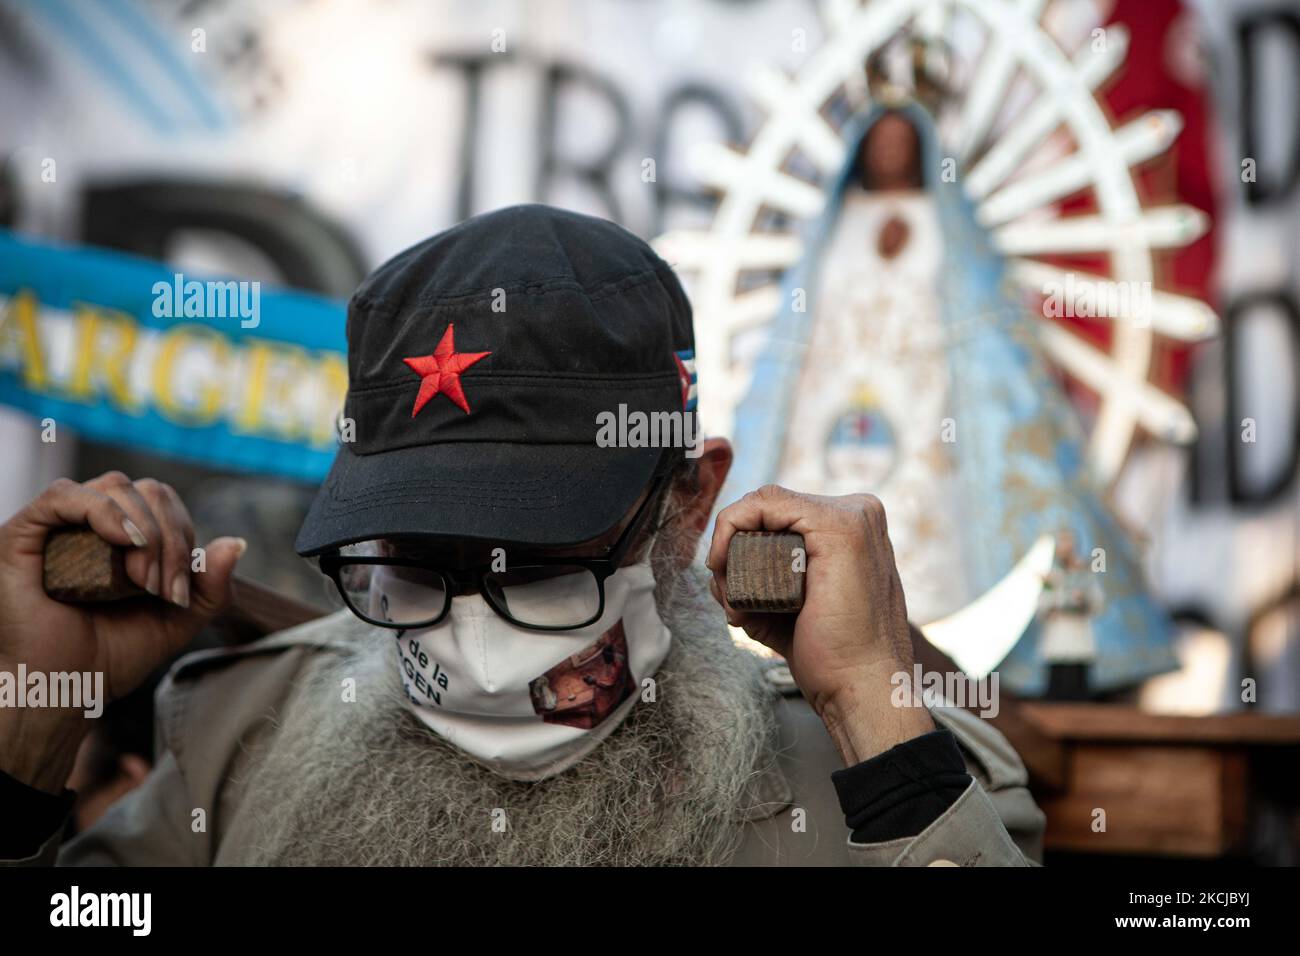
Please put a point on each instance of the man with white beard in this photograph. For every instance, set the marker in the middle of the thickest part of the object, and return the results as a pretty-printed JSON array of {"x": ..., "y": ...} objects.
[{"x": 530, "y": 668}]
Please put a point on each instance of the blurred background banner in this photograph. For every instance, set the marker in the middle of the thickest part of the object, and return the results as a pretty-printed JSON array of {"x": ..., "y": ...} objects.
[{"x": 123, "y": 350}]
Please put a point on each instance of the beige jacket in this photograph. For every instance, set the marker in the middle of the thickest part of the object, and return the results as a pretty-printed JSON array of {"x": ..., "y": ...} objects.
[{"x": 215, "y": 704}]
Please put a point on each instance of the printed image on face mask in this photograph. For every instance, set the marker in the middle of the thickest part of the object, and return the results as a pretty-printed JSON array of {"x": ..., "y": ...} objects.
[{"x": 585, "y": 688}]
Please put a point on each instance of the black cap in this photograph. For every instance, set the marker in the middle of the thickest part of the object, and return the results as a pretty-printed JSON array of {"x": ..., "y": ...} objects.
[{"x": 478, "y": 362}]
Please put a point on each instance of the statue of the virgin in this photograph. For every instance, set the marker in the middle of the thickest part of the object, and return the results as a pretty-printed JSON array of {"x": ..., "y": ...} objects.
[{"x": 901, "y": 363}]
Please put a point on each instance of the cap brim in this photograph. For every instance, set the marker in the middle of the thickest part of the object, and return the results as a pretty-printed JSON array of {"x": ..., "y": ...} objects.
[{"x": 543, "y": 495}]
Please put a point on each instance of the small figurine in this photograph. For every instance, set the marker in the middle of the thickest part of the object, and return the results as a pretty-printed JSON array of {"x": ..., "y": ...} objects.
[{"x": 1070, "y": 599}]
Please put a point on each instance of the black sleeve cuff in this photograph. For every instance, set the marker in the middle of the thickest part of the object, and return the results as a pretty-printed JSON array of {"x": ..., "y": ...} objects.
[
  {"x": 902, "y": 791},
  {"x": 29, "y": 817}
]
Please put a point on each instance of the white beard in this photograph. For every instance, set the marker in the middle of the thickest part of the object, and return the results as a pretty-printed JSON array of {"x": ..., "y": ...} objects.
[{"x": 365, "y": 784}]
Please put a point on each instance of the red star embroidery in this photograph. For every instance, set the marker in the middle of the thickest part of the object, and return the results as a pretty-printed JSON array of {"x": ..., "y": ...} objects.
[{"x": 440, "y": 372}]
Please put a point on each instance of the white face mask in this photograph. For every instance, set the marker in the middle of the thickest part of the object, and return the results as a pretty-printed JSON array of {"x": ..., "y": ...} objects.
[{"x": 526, "y": 703}]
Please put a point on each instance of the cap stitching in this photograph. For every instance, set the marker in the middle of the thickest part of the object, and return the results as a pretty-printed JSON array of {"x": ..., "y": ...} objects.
[
  {"x": 545, "y": 286},
  {"x": 349, "y": 505},
  {"x": 477, "y": 483},
  {"x": 529, "y": 376},
  {"x": 375, "y": 496}
]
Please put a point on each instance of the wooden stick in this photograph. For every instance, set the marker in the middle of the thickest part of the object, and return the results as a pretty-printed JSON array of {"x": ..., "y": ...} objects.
[
  {"x": 762, "y": 575},
  {"x": 83, "y": 568},
  {"x": 765, "y": 571}
]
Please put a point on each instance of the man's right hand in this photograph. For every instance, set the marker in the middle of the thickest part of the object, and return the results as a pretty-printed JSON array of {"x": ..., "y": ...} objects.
[{"x": 124, "y": 641}]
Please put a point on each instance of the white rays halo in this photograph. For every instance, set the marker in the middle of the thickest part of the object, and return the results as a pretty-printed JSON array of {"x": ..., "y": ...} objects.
[{"x": 1016, "y": 204}]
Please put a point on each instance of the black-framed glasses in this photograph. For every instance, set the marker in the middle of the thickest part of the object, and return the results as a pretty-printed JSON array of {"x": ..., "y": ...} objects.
[{"x": 545, "y": 594}]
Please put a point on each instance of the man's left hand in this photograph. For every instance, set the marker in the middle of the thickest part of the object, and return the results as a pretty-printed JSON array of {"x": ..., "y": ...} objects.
[{"x": 851, "y": 638}]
